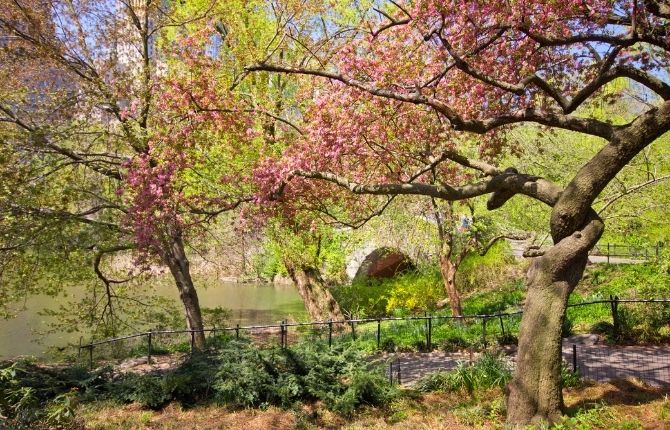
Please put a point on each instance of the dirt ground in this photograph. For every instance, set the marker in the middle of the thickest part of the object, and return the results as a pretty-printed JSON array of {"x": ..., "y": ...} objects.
[{"x": 619, "y": 404}]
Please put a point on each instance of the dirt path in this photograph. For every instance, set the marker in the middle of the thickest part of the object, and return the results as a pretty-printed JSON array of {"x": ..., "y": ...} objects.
[
  {"x": 605, "y": 363},
  {"x": 598, "y": 362}
]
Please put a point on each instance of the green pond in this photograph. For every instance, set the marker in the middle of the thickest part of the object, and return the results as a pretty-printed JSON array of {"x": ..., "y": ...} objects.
[{"x": 249, "y": 303}]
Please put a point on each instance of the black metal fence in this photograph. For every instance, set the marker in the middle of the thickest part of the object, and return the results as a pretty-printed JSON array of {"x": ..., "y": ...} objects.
[
  {"x": 633, "y": 252},
  {"x": 649, "y": 363},
  {"x": 418, "y": 333}
]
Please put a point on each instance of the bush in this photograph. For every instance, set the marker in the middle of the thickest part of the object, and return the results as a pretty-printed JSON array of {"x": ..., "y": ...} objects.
[
  {"x": 401, "y": 295},
  {"x": 244, "y": 376},
  {"x": 418, "y": 292},
  {"x": 454, "y": 342},
  {"x": 488, "y": 371},
  {"x": 388, "y": 345},
  {"x": 150, "y": 391},
  {"x": 507, "y": 339},
  {"x": 240, "y": 374},
  {"x": 33, "y": 396},
  {"x": 569, "y": 378},
  {"x": 364, "y": 388},
  {"x": 566, "y": 327}
]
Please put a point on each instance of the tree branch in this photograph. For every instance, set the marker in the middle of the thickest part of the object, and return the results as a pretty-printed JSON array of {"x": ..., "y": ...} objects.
[
  {"x": 632, "y": 190},
  {"x": 479, "y": 126},
  {"x": 502, "y": 187}
]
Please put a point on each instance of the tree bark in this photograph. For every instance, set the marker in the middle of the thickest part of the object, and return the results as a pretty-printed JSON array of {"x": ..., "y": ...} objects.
[
  {"x": 448, "y": 270},
  {"x": 535, "y": 392},
  {"x": 175, "y": 258},
  {"x": 319, "y": 302}
]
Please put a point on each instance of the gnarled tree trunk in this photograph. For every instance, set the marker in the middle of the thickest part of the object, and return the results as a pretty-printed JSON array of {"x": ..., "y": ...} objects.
[
  {"x": 535, "y": 391},
  {"x": 535, "y": 394},
  {"x": 319, "y": 302},
  {"x": 175, "y": 258}
]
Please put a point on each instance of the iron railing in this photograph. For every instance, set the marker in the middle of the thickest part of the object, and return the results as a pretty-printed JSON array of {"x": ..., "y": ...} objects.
[{"x": 332, "y": 328}]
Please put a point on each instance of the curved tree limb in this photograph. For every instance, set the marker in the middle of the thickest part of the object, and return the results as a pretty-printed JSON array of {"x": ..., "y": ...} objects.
[{"x": 502, "y": 187}]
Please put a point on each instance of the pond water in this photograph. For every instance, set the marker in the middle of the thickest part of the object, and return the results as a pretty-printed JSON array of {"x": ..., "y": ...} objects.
[{"x": 249, "y": 304}]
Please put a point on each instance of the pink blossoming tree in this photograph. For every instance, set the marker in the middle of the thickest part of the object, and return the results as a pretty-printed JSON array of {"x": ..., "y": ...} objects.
[{"x": 419, "y": 101}]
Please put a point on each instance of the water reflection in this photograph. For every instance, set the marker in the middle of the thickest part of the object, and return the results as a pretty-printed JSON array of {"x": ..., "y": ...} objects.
[{"x": 249, "y": 304}]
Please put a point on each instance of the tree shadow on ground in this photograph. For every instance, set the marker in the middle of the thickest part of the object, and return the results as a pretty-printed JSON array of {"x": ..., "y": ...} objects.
[{"x": 616, "y": 392}]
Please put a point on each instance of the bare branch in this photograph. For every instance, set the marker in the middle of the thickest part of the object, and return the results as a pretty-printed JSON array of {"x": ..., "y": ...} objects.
[
  {"x": 485, "y": 249},
  {"x": 632, "y": 190}
]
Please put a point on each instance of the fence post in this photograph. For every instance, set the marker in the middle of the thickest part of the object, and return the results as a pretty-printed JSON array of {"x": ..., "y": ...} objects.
[
  {"x": 330, "y": 333},
  {"x": 90, "y": 357},
  {"x": 379, "y": 332},
  {"x": 614, "y": 303},
  {"x": 149, "y": 347},
  {"x": 484, "y": 331},
  {"x": 237, "y": 332},
  {"x": 397, "y": 365},
  {"x": 283, "y": 334},
  {"x": 353, "y": 331},
  {"x": 608, "y": 253},
  {"x": 429, "y": 340},
  {"x": 502, "y": 326},
  {"x": 574, "y": 358}
]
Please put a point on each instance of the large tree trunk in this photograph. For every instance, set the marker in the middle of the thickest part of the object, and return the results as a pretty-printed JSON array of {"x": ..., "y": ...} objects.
[
  {"x": 175, "y": 259},
  {"x": 534, "y": 394},
  {"x": 448, "y": 270},
  {"x": 535, "y": 391},
  {"x": 319, "y": 302}
]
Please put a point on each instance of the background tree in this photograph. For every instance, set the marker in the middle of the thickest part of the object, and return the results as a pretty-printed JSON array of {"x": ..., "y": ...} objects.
[
  {"x": 112, "y": 73},
  {"x": 306, "y": 253}
]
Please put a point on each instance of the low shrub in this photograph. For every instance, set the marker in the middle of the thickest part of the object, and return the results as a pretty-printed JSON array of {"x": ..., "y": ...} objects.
[
  {"x": 454, "y": 342},
  {"x": 237, "y": 374},
  {"x": 35, "y": 397},
  {"x": 388, "y": 345},
  {"x": 507, "y": 339},
  {"x": 150, "y": 391},
  {"x": 401, "y": 295},
  {"x": 488, "y": 371},
  {"x": 567, "y": 327},
  {"x": 569, "y": 378},
  {"x": 240, "y": 374}
]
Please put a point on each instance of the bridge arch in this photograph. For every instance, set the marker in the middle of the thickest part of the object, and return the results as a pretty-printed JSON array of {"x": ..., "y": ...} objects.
[{"x": 378, "y": 262}]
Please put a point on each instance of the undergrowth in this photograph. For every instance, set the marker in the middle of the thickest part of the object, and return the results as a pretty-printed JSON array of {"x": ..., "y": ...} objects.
[{"x": 237, "y": 375}]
